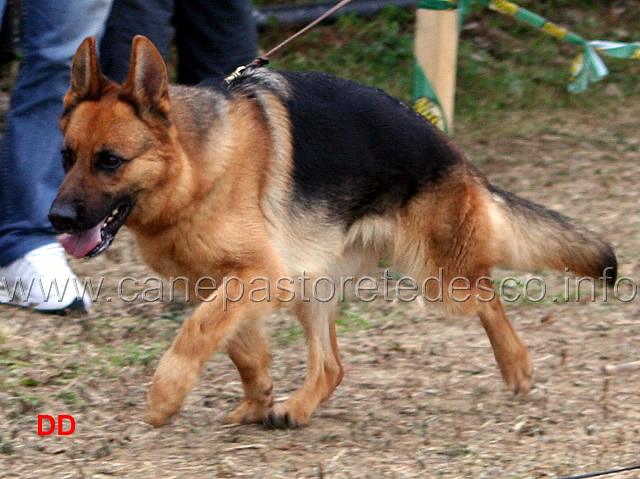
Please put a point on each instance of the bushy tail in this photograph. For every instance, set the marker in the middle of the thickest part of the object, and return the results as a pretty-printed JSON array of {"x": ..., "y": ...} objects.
[{"x": 531, "y": 237}]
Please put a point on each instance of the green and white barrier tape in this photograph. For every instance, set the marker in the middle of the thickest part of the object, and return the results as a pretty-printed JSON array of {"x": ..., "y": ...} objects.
[
  {"x": 587, "y": 68},
  {"x": 425, "y": 100}
]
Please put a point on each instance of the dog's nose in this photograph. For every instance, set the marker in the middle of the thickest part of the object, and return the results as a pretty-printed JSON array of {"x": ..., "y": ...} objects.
[{"x": 63, "y": 216}]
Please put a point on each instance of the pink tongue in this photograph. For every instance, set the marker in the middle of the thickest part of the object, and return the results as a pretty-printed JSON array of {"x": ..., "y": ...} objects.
[{"x": 79, "y": 244}]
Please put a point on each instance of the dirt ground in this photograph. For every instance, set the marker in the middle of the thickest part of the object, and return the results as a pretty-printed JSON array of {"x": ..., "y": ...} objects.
[{"x": 421, "y": 397}]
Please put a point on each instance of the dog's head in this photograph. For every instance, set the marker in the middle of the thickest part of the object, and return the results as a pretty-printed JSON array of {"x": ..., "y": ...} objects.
[{"x": 117, "y": 147}]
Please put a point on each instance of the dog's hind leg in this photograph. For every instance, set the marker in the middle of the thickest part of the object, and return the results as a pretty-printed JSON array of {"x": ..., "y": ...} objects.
[
  {"x": 447, "y": 233},
  {"x": 510, "y": 352},
  {"x": 249, "y": 351},
  {"x": 324, "y": 368},
  {"x": 477, "y": 297}
]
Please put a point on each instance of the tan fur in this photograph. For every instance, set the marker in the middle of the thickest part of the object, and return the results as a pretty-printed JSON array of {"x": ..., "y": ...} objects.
[
  {"x": 538, "y": 243},
  {"x": 217, "y": 201}
]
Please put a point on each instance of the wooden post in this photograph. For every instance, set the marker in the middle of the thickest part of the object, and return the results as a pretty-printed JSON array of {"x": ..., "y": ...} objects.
[{"x": 436, "y": 52}]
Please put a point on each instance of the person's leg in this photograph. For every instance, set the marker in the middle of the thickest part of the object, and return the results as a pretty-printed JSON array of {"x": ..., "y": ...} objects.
[
  {"x": 7, "y": 50},
  {"x": 128, "y": 18},
  {"x": 4, "y": 4},
  {"x": 213, "y": 38},
  {"x": 30, "y": 167}
]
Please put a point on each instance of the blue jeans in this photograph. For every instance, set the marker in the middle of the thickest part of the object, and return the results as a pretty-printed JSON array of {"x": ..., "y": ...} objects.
[
  {"x": 212, "y": 37},
  {"x": 30, "y": 165}
]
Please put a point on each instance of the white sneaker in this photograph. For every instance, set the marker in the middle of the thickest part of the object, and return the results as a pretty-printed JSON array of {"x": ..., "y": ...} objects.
[{"x": 42, "y": 280}]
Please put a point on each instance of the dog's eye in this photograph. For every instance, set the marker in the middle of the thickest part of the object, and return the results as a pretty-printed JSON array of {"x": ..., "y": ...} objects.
[
  {"x": 109, "y": 161},
  {"x": 67, "y": 159}
]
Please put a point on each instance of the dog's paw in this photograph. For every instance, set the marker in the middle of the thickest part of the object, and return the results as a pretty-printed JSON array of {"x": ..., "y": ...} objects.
[
  {"x": 167, "y": 392},
  {"x": 157, "y": 417},
  {"x": 517, "y": 375},
  {"x": 247, "y": 412},
  {"x": 162, "y": 404},
  {"x": 284, "y": 416}
]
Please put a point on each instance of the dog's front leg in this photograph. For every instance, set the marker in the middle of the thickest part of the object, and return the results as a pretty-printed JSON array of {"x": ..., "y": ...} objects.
[
  {"x": 206, "y": 331},
  {"x": 324, "y": 368},
  {"x": 249, "y": 351}
]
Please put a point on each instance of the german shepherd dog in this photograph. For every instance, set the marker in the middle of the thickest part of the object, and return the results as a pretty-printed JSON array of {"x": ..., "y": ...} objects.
[{"x": 277, "y": 175}]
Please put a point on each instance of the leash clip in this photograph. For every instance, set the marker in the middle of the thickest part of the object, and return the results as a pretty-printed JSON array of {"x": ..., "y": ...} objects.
[
  {"x": 237, "y": 73},
  {"x": 258, "y": 62}
]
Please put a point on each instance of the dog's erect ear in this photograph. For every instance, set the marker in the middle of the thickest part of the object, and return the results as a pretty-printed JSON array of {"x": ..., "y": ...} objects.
[
  {"x": 147, "y": 84},
  {"x": 87, "y": 81}
]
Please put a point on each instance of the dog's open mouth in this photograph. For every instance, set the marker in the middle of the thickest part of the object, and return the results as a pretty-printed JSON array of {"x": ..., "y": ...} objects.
[{"x": 94, "y": 241}]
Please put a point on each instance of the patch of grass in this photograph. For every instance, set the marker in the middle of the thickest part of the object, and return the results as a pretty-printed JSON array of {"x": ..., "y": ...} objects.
[
  {"x": 136, "y": 353},
  {"x": 330, "y": 439},
  {"x": 15, "y": 357},
  {"x": 352, "y": 318},
  {"x": 30, "y": 383},
  {"x": 68, "y": 397},
  {"x": 23, "y": 404},
  {"x": 292, "y": 333},
  {"x": 502, "y": 63},
  {"x": 376, "y": 51},
  {"x": 457, "y": 451}
]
